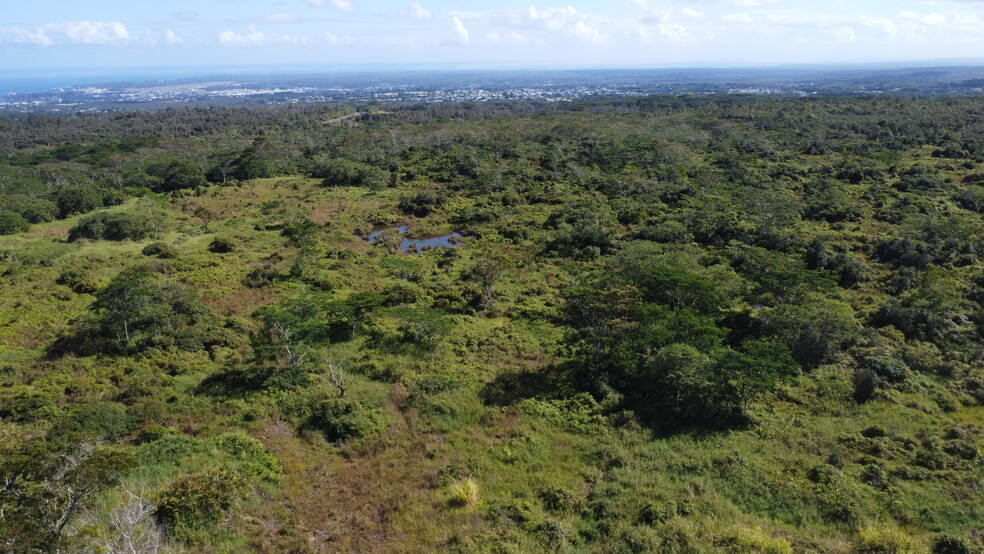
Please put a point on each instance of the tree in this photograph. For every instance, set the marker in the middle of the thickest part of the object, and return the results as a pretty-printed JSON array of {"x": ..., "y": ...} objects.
[
  {"x": 42, "y": 491},
  {"x": 206, "y": 215},
  {"x": 485, "y": 272},
  {"x": 176, "y": 174},
  {"x": 76, "y": 199},
  {"x": 12, "y": 222},
  {"x": 815, "y": 332}
]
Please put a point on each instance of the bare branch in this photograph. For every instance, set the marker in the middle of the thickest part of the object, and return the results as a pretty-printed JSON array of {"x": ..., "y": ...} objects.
[{"x": 337, "y": 375}]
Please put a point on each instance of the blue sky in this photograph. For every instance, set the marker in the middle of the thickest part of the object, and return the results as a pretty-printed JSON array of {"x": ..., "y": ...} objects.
[{"x": 43, "y": 35}]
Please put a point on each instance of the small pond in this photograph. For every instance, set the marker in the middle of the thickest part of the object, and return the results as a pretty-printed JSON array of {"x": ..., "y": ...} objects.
[{"x": 417, "y": 246}]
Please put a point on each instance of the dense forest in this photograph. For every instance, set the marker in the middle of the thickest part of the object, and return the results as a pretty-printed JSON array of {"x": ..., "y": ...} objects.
[{"x": 675, "y": 324}]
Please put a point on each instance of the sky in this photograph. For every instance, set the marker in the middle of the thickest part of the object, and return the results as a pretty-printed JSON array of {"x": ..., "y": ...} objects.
[{"x": 48, "y": 36}]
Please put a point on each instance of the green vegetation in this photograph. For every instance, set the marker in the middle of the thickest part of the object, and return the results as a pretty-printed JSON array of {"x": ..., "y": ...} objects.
[{"x": 672, "y": 324}]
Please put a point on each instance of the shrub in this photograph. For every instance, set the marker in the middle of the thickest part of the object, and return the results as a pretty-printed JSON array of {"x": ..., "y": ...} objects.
[
  {"x": 563, "y": 500},
  {"x": 884, "y": 538},
  {"x": 422, "y": 204},
  {"x": 260, "y": 277},
  {"x": 140, "y": 310},
  {"x": 168, "y": 448},
  {"x": 342, "y": 418},
  {"x": 888, "y": 368},
  {"x": 76, "y": 200},
  {"x": 159, "y": 249},
  {"x": 114, "y": 226},
  {"x": 222, "y": 245},
  {"x": 865, "y": 384},
  {"x": 80, "y": 281},
  {"x": 176, "y": 174},
  {"x": 464, "y": 493},
  {"x": 344, "y": 173},
  {"x": 95, "y": 420},
  {"x": 36, "y": 210},
  {"x": 658, "y": 511},
  {"x": 154, "y": 432},
  {"x": 196, "y": 502},
  {"x": 12, "y": 222},
  {"x": 945, "y": 544},
  {"x": 755, "y": 539}
]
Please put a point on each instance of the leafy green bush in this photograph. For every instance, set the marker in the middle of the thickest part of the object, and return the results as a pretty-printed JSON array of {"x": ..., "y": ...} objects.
[
  {"x": 160, "y": 249},
  {"x": 343, "y": 418},
  {"x": 345, "y": 173},
  {"x": 36, "y": 210},
  {"x": 77, "y": 199},
  {"x": 464, "y": 493},
  {"x": 115, "y": 226},
  {"x": 80, "y": 281},
  {"x": 222, "y": 245},
  {"x": 260, "y": 277},
  {"x": 91, "y": 421},
  {"x": 140, "y": 310},
  {"x": 422, "y": 203},
  {"x": 196, "y": 502},
  {"x": 168, "y": 448},
  {"x": 176, "y": 174},
  {"x": 12, "y": 222}
]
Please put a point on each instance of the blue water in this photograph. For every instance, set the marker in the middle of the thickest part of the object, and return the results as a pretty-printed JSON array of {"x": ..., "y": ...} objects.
[{"x": 418, "y": 246}]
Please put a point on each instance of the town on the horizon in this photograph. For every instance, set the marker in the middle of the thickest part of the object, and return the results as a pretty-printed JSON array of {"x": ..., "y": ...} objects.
[{"x": 500, "y": 85}]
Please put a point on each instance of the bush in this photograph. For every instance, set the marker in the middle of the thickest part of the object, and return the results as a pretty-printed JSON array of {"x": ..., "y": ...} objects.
[
  {"x": 95, "y": 420},
  {"x": 160, "y": 249},
  {"x": 260, "y": 277},
  {"x": 222, "y": 245},
  {"x": 884, "y": 538},
  {"x": 198, "y": 501},
  {"x": 114, "y": 226},
  {"x": 865, "y": 384},
  {"x": 422, "y": 204},
  {"x": 344, "y": 173},
  {"x": 12, "y": 222},
  {"x": 176, "y": 174},
  {"x": 80, "y": 281},
  {"x": 140, "y": 310},
  {"x": 464, "y": 493},
  {"x": 945, "y": 544},
  {"x": 658, "y": 511},
  {"x": 341, "y": 419},
  {"x": 77, "y": 200},
  {"x": 36, "y": 210}
]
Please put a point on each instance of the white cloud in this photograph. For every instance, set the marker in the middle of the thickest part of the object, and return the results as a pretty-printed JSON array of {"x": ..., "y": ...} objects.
[
  {"x": 742, "y": 3},
  {"x": 553, "y": 18},
  {"x": 925, "y": 19},
  {"x": 172, "y": 39},
  {"x": 673, "y": 32},
  {"x": 253, "y": 38},
  {"x": 742, "y": 18},
  {"x": 37, "y": 36},
  {"x": 581, "y": 29},
  {"x": 340, "y": 5},
  {"x": 91, "y": 32},
  {"x": 331, "y": 38},
  {"x": 419, "y": 12},
  {"x": 692, "y": 13},
  {"x": 281, "y": 17},
  {"x": 845, "y": 34},
  {"x": 460, "y": 30}
]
